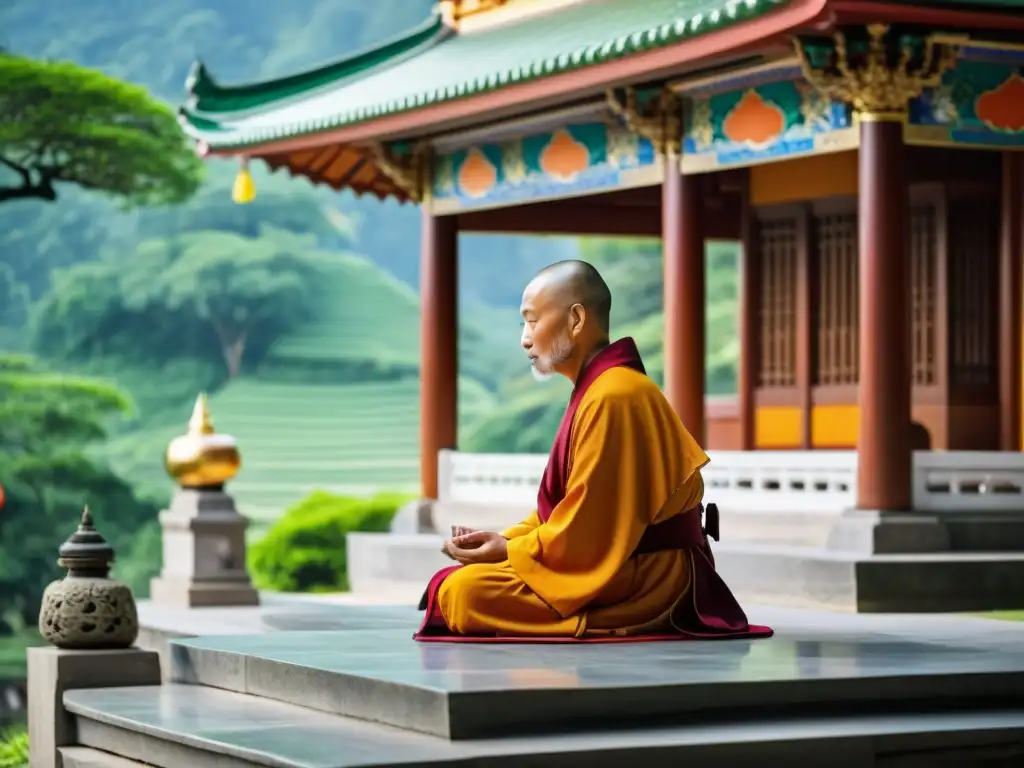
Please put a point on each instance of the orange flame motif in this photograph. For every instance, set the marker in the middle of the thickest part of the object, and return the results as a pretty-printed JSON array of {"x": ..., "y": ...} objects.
[
  {"x": 2, "y": 497},
  {"x": 753, "y": 120},
  {"x": 564, "y": 158},
  {"x": 1002, "y": 108},
  {"x": 477, "y": 176}
]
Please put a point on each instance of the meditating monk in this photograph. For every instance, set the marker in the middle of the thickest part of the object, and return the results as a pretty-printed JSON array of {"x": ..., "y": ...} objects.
[{"x": 616, "y": 547}]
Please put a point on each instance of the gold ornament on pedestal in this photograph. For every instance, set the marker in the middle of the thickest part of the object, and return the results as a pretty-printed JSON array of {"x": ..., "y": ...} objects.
[{"x": 202, "y": 458}]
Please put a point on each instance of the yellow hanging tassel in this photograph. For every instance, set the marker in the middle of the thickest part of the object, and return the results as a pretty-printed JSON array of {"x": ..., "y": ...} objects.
[{"x": 244, "y": 190}]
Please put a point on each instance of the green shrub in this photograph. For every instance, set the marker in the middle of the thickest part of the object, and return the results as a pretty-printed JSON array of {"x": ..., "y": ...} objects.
[
  {"x": 305, "y": 550},
  {"x": 14, "y": 748}
]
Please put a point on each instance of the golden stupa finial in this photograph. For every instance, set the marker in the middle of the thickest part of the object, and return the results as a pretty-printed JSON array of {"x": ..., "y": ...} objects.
[
  {"x": 201, "y": 423},
  {"x": 202, "y": 457}
]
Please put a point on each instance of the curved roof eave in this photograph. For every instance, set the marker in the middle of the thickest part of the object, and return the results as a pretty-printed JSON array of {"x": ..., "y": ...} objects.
[{"x": 384, "y": 92}]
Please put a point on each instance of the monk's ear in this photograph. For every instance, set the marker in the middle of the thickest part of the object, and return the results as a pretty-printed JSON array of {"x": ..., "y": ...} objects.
[{"x": 577, "y": 316}]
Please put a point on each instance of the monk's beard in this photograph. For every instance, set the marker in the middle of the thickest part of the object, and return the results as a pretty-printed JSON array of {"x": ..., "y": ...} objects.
[{"x": 543, "y": 368}]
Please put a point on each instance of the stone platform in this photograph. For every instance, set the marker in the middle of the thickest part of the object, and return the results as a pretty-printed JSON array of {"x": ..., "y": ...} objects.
[
  {"x": 459, "y": 691},
  {"x": 314, "y": 684}
]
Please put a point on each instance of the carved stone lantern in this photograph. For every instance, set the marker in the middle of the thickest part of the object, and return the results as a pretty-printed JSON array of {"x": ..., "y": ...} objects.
[{"x": 87, "y": 609}]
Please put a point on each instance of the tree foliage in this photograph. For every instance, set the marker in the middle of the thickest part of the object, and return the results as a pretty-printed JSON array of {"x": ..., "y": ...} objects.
[
  {"x": 61, "y": 123},
  {"x": 306, "y": 549},
  {"x": 203, "y": 294},
  {"x": 47, "y": 423}
]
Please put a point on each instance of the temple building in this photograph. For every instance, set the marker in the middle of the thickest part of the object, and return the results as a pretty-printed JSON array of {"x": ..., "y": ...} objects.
[{"x": 869, "y": 156}]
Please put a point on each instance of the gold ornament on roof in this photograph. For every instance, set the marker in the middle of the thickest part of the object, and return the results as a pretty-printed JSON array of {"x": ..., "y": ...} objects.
[
  {"x": 659, "y": 121},
  {"x": 202, "y": 457},
  {"x": 453, "y": 11},
  {"x": 409, "y": 172},
  {"x": 881, "y": 81},
  {"x": 244, "y": 189}
]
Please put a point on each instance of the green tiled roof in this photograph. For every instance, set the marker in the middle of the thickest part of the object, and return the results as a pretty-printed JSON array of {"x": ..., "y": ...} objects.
[
  {"x": 429, "y": 66},
  {"x": 207, "y": 96}
]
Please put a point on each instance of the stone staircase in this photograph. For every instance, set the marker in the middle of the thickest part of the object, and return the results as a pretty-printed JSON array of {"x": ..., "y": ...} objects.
[{"x": 818, "y": 693}]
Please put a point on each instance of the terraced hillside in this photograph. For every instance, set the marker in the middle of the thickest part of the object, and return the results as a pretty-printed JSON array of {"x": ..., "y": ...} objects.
[
  {"x": 370, "y": 318},
  {"x": 350, "y": 439},
  {"x": 334, "y": 406}
]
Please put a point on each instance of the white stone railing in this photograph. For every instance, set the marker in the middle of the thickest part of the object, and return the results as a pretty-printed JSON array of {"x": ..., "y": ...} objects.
[
  {"x": 781, "y": 481},
  {"x": 769, "y": 481},
  {"x": 755, "y": 480},
  {"x": 490, "y": 478},
  {"x": 968, "y": 481}
]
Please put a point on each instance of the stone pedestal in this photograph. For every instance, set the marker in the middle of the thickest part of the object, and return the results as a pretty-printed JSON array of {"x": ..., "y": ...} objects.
[
  {"x": 414, "y": 517},
  {"x": 204, "y": 552},
  {"x": 52, "y": 671}
]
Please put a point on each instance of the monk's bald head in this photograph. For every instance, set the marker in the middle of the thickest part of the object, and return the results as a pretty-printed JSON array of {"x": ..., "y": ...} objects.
[
  {"x": 565, "y": 311},
  {"x": 577, "y": 282}
]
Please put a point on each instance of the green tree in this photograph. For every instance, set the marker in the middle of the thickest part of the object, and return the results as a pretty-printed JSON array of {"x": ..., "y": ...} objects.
[
  {"x": 47, "y": 422},
  {"x": 202, "y": 294},
  {"x": 61, "y": 123}
]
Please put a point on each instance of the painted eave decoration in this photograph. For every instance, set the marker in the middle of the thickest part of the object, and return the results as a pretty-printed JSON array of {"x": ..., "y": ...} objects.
[
  {"x": 429, "y": 65},
  {"x": 979, "y": 104}
]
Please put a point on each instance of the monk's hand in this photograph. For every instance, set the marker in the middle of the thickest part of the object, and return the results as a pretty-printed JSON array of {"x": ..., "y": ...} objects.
[
  {"x": 457, "y": 530},
  {"x": 478, "y": 547}
]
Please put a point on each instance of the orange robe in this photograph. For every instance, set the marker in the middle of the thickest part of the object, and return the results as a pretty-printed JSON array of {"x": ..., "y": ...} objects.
[{"x": 577, "y": 574}]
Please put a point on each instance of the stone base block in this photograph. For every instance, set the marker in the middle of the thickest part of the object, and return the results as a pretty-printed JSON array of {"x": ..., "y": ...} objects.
[
  {"x": 886, "y": 533},
  {"x": 204, "y": 553},
  {"x": 393, "y": 563},
  {"x": 52, "y": 671},
  {"x": 414, "y": 517},
  {"x": 845, "y": 581},
  {"x": 213, "y": 594}
]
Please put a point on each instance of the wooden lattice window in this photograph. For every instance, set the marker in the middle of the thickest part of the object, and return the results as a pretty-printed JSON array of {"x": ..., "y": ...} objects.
[
  {"x": 923, "y": 296},
  {"x": 837, "y": 307},
  {"x": 778, "y": 246},
  {"x": 973, "y": 287}
]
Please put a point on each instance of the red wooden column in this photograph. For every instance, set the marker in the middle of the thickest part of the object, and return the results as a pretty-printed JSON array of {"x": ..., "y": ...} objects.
[
  {"x": 439, "y": 365},
  {"x": 1010, "y": 255},
  {"x": 683, "y": 246},
  {"x": 884, "y": 470},
  {"x": 750, "y": 336}
]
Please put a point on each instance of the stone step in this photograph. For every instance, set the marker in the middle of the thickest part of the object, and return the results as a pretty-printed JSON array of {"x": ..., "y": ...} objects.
[
  {"x": 172, "y": 726},
  {"x": 457, "y": 690},
  {"x": 770, "y": 574}
]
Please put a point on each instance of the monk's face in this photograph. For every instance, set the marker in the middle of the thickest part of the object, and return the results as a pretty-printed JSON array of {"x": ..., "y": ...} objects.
[{"x": 548, "y": 326}]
